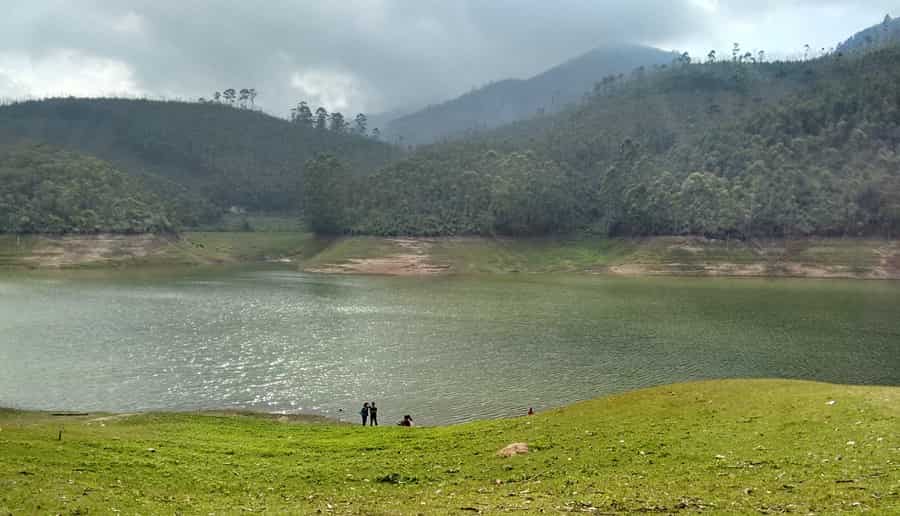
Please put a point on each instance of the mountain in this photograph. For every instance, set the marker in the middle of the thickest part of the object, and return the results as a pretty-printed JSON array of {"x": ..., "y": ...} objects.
[
  {"x": 203, "y": 157},
  {"x": 515, "y": 99},
  {"x": 885, "y": 33},
  {"x": 731, "y": 149}
]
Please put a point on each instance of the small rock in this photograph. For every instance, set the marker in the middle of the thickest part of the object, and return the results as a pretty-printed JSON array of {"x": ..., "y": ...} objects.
[
  {"x": 151, "y": 450},
  {"x": 831, "y": 403},
  {"x": 851, "y": 443}
]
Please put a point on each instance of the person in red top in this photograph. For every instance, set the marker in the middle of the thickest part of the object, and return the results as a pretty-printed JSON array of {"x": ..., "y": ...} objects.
[{"x": 530, "y": 411}]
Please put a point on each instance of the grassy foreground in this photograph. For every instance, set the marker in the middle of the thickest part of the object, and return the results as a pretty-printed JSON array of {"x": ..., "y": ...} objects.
[{"x": 746, "y": 447}]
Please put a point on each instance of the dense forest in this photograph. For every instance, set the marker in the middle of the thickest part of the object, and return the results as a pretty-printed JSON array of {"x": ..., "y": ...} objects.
[
  {"x": 732, "y": 146},
  {"x": 47, "y": 190},
  {"x": 206, "y": 157}
]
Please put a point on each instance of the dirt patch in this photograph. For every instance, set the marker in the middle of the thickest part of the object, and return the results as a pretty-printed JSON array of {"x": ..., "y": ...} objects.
[
  {"x": 889, "y": 260},
  {"x": 413, "y": 260},
  {"x": 68, "y": 251},
  {"x": 514, "y": 449},
  {"x": 780, "y": 269}
]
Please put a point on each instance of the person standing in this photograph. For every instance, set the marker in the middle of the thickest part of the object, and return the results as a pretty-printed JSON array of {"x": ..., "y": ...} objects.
[
  {"x": 373, "y": 414},
  {"x": 364, "y": 412}
]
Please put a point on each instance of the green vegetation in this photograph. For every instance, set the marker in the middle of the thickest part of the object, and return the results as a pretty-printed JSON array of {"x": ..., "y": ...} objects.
[
  {"x": 45, "y": 190},
  {"x": 196, "y": 248},
  {"x": 727, "y": 148},
  {"x": 203, "y": 158},
  {"x": 745, "y": 447}
]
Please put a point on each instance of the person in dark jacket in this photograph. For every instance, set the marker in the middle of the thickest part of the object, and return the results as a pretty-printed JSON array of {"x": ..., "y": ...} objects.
[
  {"x": 373, "y": 414},
  {"x": 364, "y": 413},
  {"x": 407, "y": 421}
]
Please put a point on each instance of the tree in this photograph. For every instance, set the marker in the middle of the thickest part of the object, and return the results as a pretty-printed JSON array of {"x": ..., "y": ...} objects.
[
  {"x": 325, "y": 187},
  {"x": 253, "y": 94},
  {"x": 230, "y": 95},
  {"x": 321, "y": 122},
  {"x": 376, "y": 133},
  {"x": 302, "y": 115},
  {"x": 337, "y": 123},
  {"x": 217, "y": 96},
  {"x": 244, "y": 97},
  {"x": 711, "y": 57},
  {"x": 361, "y": 124}
]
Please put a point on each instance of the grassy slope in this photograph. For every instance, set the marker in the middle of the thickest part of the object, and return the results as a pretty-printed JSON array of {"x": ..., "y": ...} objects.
[{"x": 735, "y": 446}]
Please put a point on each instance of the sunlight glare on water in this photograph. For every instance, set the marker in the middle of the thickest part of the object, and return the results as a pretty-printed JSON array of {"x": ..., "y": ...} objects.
[{"x": 446, "y": 350}]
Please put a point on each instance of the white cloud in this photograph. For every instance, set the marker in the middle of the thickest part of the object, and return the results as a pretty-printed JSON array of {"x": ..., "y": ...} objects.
[
  {"x": 64, "y": 72},
  {"x": 339, "y": 91}
]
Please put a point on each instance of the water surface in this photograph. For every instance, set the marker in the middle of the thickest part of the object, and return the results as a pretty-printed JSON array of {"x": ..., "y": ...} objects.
[{"x": 442, "y": 349}]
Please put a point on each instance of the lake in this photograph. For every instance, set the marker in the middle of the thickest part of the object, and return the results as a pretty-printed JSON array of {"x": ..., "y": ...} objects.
[{"x": 444, "y": 349}]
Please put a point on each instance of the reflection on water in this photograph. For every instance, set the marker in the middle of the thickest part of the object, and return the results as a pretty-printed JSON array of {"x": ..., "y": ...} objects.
[{"x": 445, "y": 350}]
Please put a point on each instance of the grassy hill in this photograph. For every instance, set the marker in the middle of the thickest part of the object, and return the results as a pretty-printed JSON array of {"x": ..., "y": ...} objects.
[
  {"x": 212, "y": 156},
  {"x": 737, "y": 447},
  {"x": 510, "y": 100}
]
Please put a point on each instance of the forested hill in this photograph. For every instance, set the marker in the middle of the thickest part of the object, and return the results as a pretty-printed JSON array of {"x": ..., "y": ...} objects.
[
  {"x": 47, "y": 190},
  {"x": 885, "y": 33},
  {"x": 733, "y": 147},
  {"x": 208, "y": 156},
  {"x": 510, "y": 100}
]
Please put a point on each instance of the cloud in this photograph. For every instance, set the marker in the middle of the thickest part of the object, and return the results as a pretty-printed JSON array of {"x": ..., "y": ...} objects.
[
  {"x": 369, "y": 55},
  {"x": 64, "y": 72}
]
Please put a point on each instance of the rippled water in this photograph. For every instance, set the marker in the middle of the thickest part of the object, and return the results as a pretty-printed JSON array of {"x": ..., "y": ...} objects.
[{"x": 444, "y": 350}]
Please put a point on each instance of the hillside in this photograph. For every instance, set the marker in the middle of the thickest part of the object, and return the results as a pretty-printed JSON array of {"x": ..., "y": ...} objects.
[
  {"x": 877, "y": 36},
  {"x": 510, "y": 100},
  {"x": 46, "y": 190},
  {"x": 736, "y": 447},
  {"x": 736, "y": 148},
  {"x": 211, "y": 156}
]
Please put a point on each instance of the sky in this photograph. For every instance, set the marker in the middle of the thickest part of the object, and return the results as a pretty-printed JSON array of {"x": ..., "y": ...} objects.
[{"x": 372, "y": 55}]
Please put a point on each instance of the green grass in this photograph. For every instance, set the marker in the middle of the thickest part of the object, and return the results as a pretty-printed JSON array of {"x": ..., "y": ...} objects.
[
  {"x": 528, "y": 255},
  {"x": 744, "y": 447},
  {"x": 231, "y": 247},
  {"x": 13, "y": 250}
]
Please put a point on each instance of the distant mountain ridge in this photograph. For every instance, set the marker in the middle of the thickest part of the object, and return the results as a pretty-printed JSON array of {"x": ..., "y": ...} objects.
[
  {"x": 885, "y": 33},
  {"x": 510, "y": 100}
]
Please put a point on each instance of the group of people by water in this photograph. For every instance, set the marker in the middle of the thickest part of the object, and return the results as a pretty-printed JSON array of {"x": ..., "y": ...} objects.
[{"x": 369, "y": 414}]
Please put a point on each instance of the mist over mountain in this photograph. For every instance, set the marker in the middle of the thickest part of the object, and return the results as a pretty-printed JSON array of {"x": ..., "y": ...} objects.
[{"x": 510, "y": 100}]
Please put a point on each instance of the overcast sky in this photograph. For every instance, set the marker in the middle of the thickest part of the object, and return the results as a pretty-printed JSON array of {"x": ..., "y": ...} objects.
[{"x": 371, "y": 55}]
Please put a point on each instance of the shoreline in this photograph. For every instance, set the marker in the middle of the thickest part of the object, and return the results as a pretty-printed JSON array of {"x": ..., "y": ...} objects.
[
  {"x": 826, "y": 258},
  {"x": 319, "y": 419}
]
